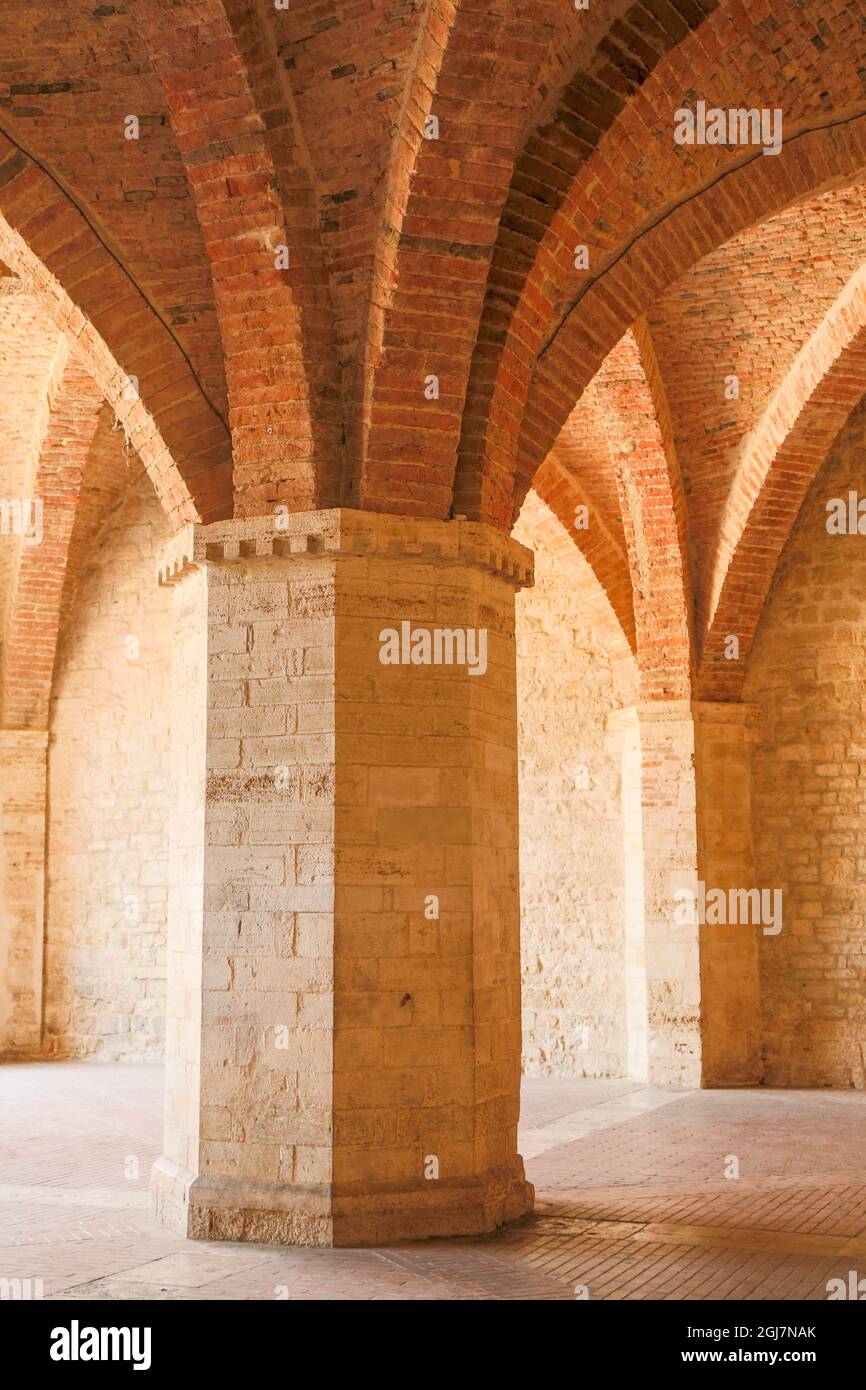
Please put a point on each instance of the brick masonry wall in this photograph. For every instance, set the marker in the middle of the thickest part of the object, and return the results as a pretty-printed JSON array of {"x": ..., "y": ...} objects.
[
  {"x": 571, "y": 838},
  {"x": 808, "y": 673},
  {"x": 107, "y": 798}
]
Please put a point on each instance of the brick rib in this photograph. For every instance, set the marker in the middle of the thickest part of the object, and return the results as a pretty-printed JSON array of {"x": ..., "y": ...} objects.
[
  {"x": 34, "y": 615},
  {"x": 753, "y": 191},
  {"x": 778, "y": 462},
  {"x": 653, "y": 512},
  {"x": 283, "y": 449},
  {"x": 49, "y": 244}
]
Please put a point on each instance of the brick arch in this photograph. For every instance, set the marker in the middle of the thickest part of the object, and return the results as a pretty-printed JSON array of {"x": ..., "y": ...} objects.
[
  {"x": 562, "y": 492},
  {"x": 75, "y": 403},
  {"x": 285, "y": 428},
  {"x": 578, "y": 472},
  {"x": 640, "y": 439},
  {"x": 49, "y": 243},
  {"x": 362, "y": 82},
  {"x": 485, "y": 77},
  {"x": 751, "y": 192},
  {"x": 540, "y": 523},
  {"x": 642, "y": 563},
  {"x": 640, "y": 204},
  {"x": 380, "y": 381},
  {"x": 254, "y": 25},
  {"x": 629, "y": 47},
  {"x": 779, "y": 459}
]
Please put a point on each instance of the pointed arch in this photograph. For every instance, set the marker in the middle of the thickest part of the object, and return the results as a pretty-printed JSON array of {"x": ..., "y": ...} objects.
[
  {"x": 48, "y": 241},
  {"x": 778, "y": 461}
]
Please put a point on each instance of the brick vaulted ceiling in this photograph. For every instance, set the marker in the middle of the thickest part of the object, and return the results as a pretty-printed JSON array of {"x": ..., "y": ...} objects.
[{"x": 325, "y": 206}]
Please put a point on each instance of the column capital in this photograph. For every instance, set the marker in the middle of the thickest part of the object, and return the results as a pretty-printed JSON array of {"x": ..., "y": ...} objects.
[{"x": 342, "y": 532}]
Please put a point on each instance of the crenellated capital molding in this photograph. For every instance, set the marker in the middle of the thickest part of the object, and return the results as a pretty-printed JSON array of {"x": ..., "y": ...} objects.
[{"x": 342, "y": 532}]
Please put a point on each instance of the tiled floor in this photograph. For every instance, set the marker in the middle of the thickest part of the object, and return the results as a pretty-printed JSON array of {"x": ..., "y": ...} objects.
[{"x": 633, "y": 1200}]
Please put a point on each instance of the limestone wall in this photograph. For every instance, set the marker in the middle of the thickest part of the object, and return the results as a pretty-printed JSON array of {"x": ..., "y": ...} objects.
[
  {"x": 808, "y": 673},
  {"x": 571, "y": 832},
  {"x": 107, "y": 800}
]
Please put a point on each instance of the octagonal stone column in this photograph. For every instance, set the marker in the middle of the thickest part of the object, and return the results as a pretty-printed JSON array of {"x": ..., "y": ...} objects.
[{"x": 344, "y": 992}]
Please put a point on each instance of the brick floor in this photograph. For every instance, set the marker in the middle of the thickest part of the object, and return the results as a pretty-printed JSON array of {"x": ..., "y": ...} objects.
[{"x": 633, "y": 1201}]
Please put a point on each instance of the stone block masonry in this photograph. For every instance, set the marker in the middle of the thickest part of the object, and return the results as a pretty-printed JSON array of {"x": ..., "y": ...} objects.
[
  {"x": 692, "y": 1000},
  {"x": 343, "y": 886},
  {"x": 22, "y": 889},
  {"x": 108, "y": 800},
  {"x": 807, "y": 673},
  {"x": 572, "y": 858},
  {"x": 662, "y": 957}
]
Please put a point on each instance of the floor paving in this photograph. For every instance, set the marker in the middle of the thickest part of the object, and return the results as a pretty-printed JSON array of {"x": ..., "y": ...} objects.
[{"x": 641, "y": 1194}]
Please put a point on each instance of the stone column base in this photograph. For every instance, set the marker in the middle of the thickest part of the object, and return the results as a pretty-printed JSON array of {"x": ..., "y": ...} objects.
[
  {"x": 202, "y": 1208},
  {"x": 216, "y": 1208},
  {"x": 463, "y": 1207}
]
